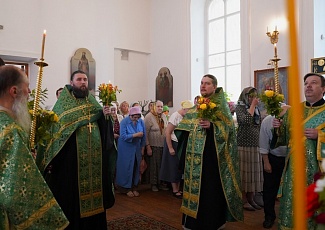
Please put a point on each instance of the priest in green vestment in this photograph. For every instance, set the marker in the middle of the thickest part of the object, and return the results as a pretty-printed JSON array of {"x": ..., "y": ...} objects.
[
  {"x": 26, "y": 201},
  {"x": 208, "y": 149},
  {"x": 314, "y": 141},
  {"x": 79, "y": 161}
]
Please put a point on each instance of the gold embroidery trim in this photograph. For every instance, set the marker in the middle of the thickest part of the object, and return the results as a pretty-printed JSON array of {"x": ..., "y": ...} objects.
[{"x": 37, "y": 215}]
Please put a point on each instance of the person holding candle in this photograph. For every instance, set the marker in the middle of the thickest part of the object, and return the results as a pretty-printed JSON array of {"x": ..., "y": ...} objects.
[
  {"x": 314, "y": 142},
  {"x": 25, "y": 199}
]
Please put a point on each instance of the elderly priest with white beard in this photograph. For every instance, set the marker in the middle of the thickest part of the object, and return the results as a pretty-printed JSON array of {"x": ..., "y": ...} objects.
[{"x": 25, "y": 199}]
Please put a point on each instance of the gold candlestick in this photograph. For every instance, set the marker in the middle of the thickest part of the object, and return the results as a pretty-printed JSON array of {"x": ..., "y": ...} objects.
[
  {"x": 274, "y": 38},
  {"x": 38, "y": 89}
]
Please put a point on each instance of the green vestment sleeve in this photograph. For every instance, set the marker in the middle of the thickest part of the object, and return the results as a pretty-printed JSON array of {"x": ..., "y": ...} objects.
[{"x": 26, "y": 202}]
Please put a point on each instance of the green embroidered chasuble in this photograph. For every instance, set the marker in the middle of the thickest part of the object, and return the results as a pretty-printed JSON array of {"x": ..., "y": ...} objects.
[
  {"x": 227, "y": 155},
  {"x": 80, "y": 116},
  {"x": 26, "y": 202},
  {"x": 313, "y": 117}
]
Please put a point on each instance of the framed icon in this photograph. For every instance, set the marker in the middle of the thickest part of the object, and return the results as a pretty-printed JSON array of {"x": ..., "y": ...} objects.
[{"x": 83, "y": 60}]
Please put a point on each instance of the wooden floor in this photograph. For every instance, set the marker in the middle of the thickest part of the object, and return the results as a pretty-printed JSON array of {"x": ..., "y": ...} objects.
[{"x": 163, "y": 207}]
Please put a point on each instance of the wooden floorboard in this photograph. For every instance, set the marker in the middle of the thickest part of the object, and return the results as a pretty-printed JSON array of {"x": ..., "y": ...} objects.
[{"x": 162, "y": 206}]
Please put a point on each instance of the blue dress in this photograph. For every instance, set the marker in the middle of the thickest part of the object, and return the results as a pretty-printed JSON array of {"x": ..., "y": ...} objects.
[{"x": 129, "y": 153}]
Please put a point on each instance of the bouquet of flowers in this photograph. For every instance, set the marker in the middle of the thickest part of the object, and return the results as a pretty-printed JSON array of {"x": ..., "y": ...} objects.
[
  {"x": 44, "y": 119},
  {"x": 107, "y": 93},
  {"x": 272, "y": 102},
  {"x": 206, "y": 109},
  {"x": 316, "y": 198}
]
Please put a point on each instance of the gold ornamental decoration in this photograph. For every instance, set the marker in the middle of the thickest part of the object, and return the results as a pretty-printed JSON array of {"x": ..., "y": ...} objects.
[
  {"x": 274, "y": 38},
  {"x": 38, "y": 89}
]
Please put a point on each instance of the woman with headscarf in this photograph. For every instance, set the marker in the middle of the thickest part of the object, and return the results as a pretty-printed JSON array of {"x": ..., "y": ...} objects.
[
  {"x": 130, "y": 151},
  {"x": 155, "y": 122},
  {"x": 169, "y": 170},
  {"x": 249, "y": 121}
]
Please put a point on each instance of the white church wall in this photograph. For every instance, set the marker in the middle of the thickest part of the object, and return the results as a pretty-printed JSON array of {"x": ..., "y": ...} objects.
[
  {"x": 157, "y": 32},
  {"x": 261, "y": 48},
  {"x": 131, "y": 24},
  {"x": 99, "y": 26},
  {"x": 198, "y": 64},
  {"x": 319, "y": 33},
  {"x": 22, "y": 34},
  {"x": 276, "y": 14},
  {"x": 170, "y": 46},
  {"x": 131, "y": 76},
  {"x": 18, "y": 36}
]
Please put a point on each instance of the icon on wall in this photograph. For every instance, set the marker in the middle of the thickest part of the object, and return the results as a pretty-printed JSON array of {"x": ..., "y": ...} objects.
[
  {"x": 318, "y": 65},
  {"x": 83, "y": 60},
  {"x": 164, "y": 87}
]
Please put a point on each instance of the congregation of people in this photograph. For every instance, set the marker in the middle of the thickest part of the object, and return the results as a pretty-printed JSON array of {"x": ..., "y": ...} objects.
[{"x": 208, "y": 164}]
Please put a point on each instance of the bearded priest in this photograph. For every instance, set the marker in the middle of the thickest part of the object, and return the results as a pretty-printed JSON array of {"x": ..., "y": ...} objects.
[
  {"x": 25, "y": 199},
  {"x": 79, "y": 161}
]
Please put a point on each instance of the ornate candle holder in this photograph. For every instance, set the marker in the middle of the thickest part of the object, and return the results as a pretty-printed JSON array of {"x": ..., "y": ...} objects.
[
  {"x": 274, "y": 38},
  {"x": 38, "y": 89}
]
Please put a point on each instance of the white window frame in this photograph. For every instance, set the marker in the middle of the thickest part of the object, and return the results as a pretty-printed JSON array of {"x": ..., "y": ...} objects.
[{"x": 207, "y": 55}]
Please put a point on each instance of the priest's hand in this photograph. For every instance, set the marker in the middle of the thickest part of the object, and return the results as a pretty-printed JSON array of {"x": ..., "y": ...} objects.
[
  {"x": 106, "y": 110},
  {"x": 311, "y": 133},
  {"x": 205, "y": 124},
  {"x": 276, "y": 123}
]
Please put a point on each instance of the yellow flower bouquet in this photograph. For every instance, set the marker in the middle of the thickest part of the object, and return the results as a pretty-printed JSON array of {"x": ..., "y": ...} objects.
[
  {"x": 107, "y": 93},
  {"x": 272, "y": 102},
  {"x": 206, "y": 109},
  {"x": 44, "y": 119}
]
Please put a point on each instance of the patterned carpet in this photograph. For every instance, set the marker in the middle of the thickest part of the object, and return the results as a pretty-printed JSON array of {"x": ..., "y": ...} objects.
[{"x": 137, "y": 222}]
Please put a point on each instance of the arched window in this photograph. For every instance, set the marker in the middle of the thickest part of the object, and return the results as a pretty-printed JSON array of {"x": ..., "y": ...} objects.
[{"x": 224, "y": 44}]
